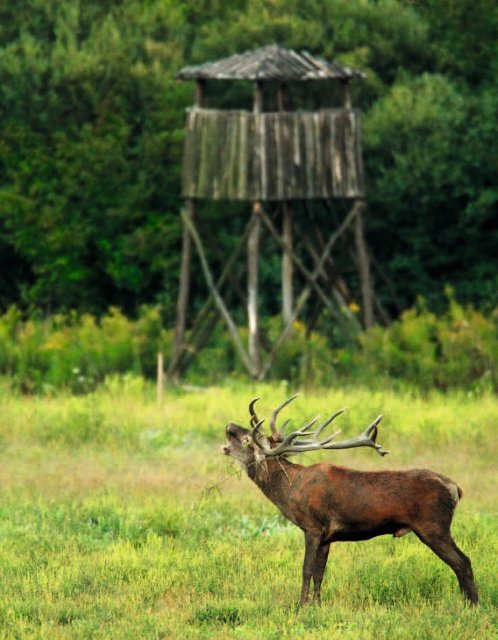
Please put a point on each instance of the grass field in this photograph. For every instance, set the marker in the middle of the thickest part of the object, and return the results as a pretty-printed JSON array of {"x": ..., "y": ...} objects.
[{"x": 120, "y": 519}]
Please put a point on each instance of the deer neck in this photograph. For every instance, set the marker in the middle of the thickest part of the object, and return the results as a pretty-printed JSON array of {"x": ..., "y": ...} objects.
[{"x": 274, "y": 478}]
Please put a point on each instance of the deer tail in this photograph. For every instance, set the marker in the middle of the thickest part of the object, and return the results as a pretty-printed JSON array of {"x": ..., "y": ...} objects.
[{"x": 456, "y": 492}]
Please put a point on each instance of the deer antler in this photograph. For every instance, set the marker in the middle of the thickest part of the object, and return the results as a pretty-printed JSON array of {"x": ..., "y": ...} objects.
[
  {"x": 277, "y": 434},
  {"x": 255, "y": 421},
  {"x": 298, "y": 442},
  {"x": 254, "y": 417}
]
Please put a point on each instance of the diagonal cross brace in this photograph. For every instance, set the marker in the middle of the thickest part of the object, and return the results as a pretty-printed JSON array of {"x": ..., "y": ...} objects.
[
  {"x": 216, "y": 294},
  {"x": 202, "y": 320},
  {"x": 357, "y": 207}
]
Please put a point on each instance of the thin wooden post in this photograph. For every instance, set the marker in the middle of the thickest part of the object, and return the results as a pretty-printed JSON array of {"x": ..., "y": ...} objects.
[
  {"x": 199, "y": 93},
  {"x": 347, "y": 101},
  {"x": 216, "y": 295},
  {"x": 333, "y": 281},
  {"x": 183, "y": 293},
  {"x": 364, "y": 271},
  {"x": 184, "y": 288},
  {"x": 311, "y": 279},
  {"x": 203, "y": 325},
  {"x": 287, "y": 273},
  {"x": 258, "y": 97},
  {"x": 252, "y": 289},
  {"x": 283, "y": 100},
  {"x": 253, "y": 264},
  {"x": 305, "y": 293},
  {"x": 160, "y": 379}
]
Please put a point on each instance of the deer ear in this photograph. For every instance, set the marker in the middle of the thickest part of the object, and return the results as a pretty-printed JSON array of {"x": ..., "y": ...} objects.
[
  {"x": 260, "y": 458},
  {"x": 264, "y": 440}
]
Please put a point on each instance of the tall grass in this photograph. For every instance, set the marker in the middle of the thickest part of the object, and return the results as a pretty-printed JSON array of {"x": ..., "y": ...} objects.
[{"x": 120, "y": 519}]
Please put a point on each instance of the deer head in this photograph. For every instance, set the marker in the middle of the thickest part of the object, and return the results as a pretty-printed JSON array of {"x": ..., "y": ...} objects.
[{"x": 242, "y": 448}]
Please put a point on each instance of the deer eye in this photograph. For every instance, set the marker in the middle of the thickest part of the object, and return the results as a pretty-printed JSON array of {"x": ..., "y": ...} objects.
[{"x": 246, "y": 441}]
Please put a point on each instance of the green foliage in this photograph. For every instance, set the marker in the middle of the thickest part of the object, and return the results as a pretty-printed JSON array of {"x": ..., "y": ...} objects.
[
  {"x": 432, "y": 159},
  {"x": 77, "y": 352},
  {"x": 91, "y": 142},
  {"x": 462, "y": 35},
  {"x": 378, "y": 35},
  {"x": 306, "y": 358},
  {"x": 456, "y": 349},
  {"x": 91, "y": 130}
]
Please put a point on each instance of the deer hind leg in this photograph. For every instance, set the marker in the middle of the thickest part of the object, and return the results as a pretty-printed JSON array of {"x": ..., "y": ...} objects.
[
  {"x": 322, "y": 554},
  {"x": 445, "y": 548}
]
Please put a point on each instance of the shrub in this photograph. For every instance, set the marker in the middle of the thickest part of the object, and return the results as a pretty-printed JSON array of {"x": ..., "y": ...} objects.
[
  {"x": 457, "y": 349},
  {"x": 78, "y": 352},
  {"x": 305, "y": 358}
]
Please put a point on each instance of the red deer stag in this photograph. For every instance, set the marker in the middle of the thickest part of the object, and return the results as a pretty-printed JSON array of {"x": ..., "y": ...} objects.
[{"x": 332, "y": 503}]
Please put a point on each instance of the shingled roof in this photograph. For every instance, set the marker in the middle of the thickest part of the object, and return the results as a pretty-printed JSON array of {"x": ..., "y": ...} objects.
[{"x": 270, "y": 63}]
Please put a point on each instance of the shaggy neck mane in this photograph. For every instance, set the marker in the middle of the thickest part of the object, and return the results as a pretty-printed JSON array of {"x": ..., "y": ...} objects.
[{"x": 273, "y": 476}]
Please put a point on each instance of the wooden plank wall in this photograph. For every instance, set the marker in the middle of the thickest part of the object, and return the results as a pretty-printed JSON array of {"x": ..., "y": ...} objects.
[{"x": 239, "y": 155}]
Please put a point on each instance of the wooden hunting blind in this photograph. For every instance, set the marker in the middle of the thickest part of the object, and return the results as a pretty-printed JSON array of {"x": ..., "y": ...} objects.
[{"x": 270, "y": 159}]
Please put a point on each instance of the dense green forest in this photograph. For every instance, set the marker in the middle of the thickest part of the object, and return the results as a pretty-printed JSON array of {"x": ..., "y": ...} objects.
[{"x": 91, "y": 133}]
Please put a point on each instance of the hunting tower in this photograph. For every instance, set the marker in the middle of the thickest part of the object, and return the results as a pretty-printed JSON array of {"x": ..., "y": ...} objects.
[{"x": 275, "y": 159}]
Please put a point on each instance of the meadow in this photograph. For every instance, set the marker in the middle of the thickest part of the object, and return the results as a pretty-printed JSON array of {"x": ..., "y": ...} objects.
[{"x": 120, "y": 518}]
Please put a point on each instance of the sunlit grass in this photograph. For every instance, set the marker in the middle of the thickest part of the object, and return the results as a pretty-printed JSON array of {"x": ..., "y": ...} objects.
[{"x": 120, "y": 519}]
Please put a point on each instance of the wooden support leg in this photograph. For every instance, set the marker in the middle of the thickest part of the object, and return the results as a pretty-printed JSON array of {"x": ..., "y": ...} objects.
[
  {"x": 364, "y": 272},
  {"x": 205, "y": 321},
  {"x": 294, "y": 258},
  {"x": 305, "y": 293},
  {"x": 235, "y": 277},
  {"x": 183, "y": 294},
  {"x": 347, "y": 319},
  {"x": 310, "y": 278},
  {"x": 218, "y": 300},
  {"x": 252, "y": 290},
  {"x": 287, "y": 294}
]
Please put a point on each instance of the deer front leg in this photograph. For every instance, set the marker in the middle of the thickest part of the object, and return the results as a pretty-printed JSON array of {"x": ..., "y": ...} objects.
[
  {"x": 312, "y": 541},
  {"x": 322, "y": 554}
]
